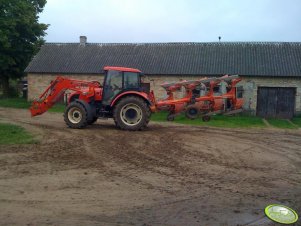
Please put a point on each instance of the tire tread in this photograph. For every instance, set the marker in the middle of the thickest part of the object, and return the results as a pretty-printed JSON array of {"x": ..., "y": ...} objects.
[
  {"x": 83, "y": 122},
  {"x": 145, "y": 111}
]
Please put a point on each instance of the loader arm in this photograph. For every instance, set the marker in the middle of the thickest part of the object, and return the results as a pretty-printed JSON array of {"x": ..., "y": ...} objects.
[{"x": 57, "y": 88}]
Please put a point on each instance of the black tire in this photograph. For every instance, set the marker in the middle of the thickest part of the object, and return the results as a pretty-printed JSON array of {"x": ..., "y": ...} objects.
[
  {"x": 170, "y": 118},
  {"x": 206, "y": 118},
  {"x": 147, "y": 118},
  {"x": 131, "y": 113},
  {"x": 192, "y": 112},
  {"x": 94, "y": 119},
  {"x": 76, "y": 116}
]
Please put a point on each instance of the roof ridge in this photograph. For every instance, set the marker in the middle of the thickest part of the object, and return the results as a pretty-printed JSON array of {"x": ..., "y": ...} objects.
[
  {"x": 251, "y": 58},
  {"x": 175, "y": 43}
]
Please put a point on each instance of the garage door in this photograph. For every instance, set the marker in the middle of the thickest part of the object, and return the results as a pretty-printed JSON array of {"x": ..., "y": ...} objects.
[{"x": 276, "y": 102}]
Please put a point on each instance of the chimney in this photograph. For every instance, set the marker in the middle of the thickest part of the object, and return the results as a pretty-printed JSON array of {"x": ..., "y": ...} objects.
[{"x": 82, "y": 40}]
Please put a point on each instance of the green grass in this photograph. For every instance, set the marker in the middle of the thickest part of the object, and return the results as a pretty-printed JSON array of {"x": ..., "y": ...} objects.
[
  {"x": 281, "y": 123},
  {"x": 57, "y": 108},
  {"x": 14, "y": 103},
  {"x": 12, "y": 134},
  {"x": 297, "y": 121},
  {"x": 23, "y": 103},
  {"x": 217, "y": 120}
]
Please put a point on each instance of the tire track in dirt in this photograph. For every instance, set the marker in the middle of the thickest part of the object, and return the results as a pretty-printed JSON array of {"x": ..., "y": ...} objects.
[{"x": 166, "y": 174}]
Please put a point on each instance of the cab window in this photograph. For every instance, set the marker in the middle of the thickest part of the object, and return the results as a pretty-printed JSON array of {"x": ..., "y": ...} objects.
[{"x": 131, "y": 80}]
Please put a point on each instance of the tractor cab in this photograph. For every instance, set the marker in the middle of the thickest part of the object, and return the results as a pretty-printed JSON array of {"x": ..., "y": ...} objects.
[{"x": 119, "y": 80}]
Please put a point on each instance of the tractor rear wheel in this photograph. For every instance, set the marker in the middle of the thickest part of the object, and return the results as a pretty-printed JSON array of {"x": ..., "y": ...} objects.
[
  {"x": 76, "y": 116},
  {"x": 131, "y": 113}
]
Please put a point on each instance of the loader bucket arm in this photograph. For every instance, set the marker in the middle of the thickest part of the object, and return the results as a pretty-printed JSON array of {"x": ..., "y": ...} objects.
[{"x": 56, "y": 89}]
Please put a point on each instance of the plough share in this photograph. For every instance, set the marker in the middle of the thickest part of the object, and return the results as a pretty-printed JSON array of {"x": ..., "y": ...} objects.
[{"x": 200, "y": 99}]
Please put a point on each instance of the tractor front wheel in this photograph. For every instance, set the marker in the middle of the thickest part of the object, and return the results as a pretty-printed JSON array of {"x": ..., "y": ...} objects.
[
  {"x": 94, "y": 119},
  {"x": 131, "y": 113},
  {"x": 76, "y": 116}
]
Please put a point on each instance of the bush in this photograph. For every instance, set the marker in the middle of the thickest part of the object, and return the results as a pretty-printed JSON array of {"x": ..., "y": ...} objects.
[{"x": 13, "y": 92}]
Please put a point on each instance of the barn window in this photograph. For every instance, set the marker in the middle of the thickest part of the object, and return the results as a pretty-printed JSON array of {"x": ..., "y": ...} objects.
[
  {"x": 239, "y": 91},
  {"x": 217, "y": 90}
]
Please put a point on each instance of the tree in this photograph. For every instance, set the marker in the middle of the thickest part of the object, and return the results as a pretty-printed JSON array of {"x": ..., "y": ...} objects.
[{"x": 21, "y": 35}]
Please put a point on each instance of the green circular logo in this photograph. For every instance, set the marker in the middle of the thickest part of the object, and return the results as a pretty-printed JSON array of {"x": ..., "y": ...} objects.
[{"x": 281, "y": 214}]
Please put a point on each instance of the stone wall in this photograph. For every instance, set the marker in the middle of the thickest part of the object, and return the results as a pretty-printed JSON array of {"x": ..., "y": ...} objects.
[
  {"x": 37, "y": 83},
  {"x": 250, "y": 86}
]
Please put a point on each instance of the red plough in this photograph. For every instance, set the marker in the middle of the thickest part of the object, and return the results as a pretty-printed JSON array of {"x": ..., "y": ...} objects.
[{"x": 200, "y": 99}]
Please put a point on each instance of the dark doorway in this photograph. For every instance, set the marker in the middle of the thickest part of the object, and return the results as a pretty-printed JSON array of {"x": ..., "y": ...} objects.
[{"x": 276, "y": 102}]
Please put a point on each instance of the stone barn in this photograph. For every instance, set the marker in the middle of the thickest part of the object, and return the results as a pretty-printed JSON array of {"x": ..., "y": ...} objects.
[{"x": 270, "y": 71}]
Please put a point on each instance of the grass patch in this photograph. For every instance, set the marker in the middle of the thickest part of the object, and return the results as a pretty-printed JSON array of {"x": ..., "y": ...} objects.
[
  {"x": 297, "y": 121},
  {"x": 23, "y": 103},
  {"x": 281, "y": 123},
  {"x": 159, "y": 116},
  {"x": 57, "y": 108},
  {"x": 12, "y": 134},
  {"x": 217, "y": 120},
  {"x": 14, "y": 103}
]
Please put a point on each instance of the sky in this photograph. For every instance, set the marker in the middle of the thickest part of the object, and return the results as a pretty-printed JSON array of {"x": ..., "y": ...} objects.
[{"x": 141, "y": 21}]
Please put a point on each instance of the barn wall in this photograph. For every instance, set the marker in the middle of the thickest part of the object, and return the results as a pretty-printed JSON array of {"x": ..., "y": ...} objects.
[
  {"x": 37, "y": 83},
  {"x": 157, "y": 80},
  {"x": 251, "y": 85}
]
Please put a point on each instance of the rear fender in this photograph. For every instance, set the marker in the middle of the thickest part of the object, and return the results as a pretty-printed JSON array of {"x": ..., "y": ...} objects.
[{"x": 128, "y": 93}]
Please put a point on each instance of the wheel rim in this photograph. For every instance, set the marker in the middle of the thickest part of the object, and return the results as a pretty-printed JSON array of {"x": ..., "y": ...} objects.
[
  {"x": 75, "y": 115},
  {"x": 131, "y": 114},
  {"x": 193, "y": 111}
]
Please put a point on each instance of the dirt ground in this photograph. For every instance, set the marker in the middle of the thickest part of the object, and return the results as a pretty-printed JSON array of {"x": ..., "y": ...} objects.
[{"x": 169, "y": 174}]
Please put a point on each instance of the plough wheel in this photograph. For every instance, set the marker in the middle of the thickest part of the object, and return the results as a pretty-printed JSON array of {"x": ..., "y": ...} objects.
[
  {"x": 170, "y": 118},
  {"x": 206, "y": 118},
  {"x": 192, "y": 112}
]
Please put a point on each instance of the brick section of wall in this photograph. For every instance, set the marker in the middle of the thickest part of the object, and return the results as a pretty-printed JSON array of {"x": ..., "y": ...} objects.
[
  {"x": 37, "y": 83},
  {"x": 156, "y": 81},
  {"x": 251, "y": 85}
]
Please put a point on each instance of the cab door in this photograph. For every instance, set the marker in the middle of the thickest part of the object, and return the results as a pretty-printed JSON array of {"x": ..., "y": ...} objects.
[
  {"x": 112, "y": 86},
  {"x": 131, "y": 81}
]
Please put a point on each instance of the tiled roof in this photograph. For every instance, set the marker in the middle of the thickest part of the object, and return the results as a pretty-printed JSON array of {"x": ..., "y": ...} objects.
[{"x": 243, "y": 58}]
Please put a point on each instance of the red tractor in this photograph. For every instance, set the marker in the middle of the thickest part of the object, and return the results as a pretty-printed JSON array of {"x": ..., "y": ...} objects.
[
  {"x": 129, "y": 101},
  {"x": 122, "y": 97}
]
